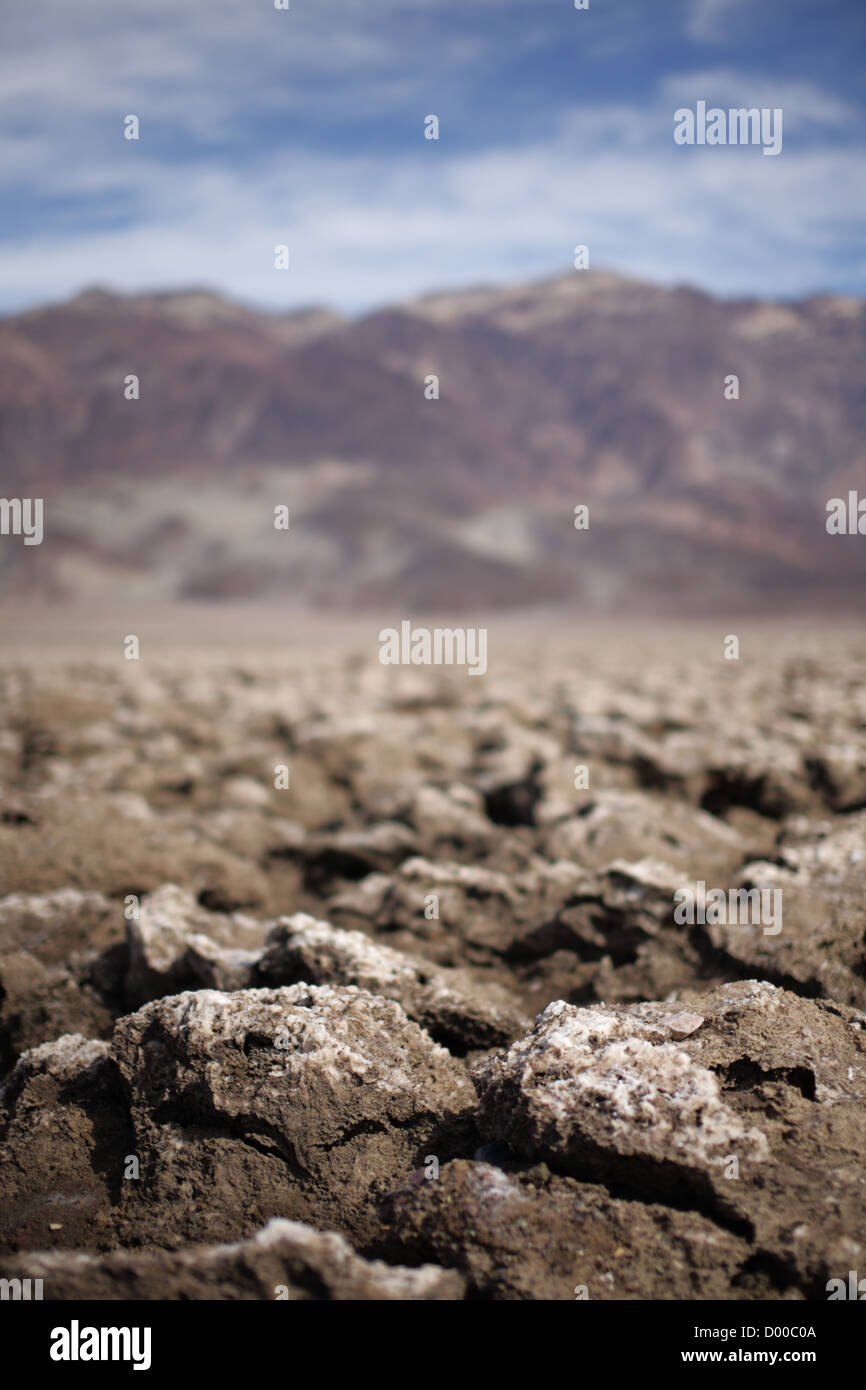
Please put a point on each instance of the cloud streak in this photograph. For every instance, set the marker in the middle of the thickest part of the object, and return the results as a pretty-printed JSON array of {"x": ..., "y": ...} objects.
[{"x": 261, "y": 127}]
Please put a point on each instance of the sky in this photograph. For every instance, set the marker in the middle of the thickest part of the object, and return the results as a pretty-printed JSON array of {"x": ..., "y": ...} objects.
[{"x": 305, "y": 127}]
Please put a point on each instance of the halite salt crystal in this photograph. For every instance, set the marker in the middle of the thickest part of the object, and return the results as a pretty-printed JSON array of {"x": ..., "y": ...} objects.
[{"x": 683, "y": 1023}]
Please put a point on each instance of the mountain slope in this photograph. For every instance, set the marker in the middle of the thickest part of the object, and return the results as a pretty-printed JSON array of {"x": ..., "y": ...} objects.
[{"x": 585, "y": 389}]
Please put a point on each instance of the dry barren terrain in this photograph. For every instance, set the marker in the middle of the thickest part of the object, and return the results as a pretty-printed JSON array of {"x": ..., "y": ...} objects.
[{"x": 326, "y": 979}]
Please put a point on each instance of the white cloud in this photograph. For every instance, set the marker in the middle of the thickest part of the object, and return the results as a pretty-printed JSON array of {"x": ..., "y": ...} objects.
[
  {"x": 376, "y": 228},
  {"x": 366, "y": 231},
  {"x": 707, "y": 20},
  {"x": 178, "y": 56}
]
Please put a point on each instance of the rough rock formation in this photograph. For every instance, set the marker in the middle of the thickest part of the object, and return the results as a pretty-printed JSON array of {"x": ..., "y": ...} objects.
[
  {"x": 284, "y": 1260},
  {"x": 748, "y": 1105},
  {"x": 426, "y": 1023}
]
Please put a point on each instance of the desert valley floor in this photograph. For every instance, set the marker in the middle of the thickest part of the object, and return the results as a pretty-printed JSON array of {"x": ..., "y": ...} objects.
[{"x": 323, "y": 979}]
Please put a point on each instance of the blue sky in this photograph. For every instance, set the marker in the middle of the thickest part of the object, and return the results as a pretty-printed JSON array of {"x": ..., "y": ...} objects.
[{"x": 305, "y": 127}]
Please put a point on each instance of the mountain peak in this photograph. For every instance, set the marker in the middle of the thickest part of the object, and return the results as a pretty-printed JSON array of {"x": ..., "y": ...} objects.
[{"x": 523, "y": 307}]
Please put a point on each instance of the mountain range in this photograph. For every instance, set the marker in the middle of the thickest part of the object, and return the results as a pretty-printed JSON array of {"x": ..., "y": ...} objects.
[{"x": 589, "y": 389}]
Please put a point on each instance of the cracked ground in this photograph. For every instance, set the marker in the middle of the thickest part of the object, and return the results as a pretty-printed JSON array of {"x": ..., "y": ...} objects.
[{"x": 422, "y": 1024}]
